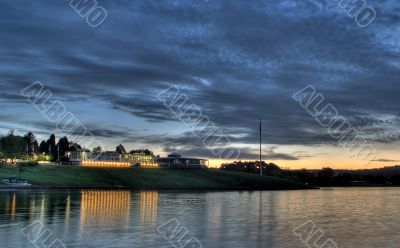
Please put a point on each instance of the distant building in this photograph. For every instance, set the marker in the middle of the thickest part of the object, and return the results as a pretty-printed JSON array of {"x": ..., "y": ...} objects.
[
  {"x": 175, "y": 160},
  {"x": 111, "y": 159},
  {"x": 116, "y": 159}
]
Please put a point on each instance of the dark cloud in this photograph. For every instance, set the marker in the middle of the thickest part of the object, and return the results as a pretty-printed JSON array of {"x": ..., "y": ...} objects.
[
  {"x": 235, "y": 60},
  {"x": 189, "y": 145},
  {"x": 272, "y": 155},
  {"x": 246, "y": 153},
  {"x": 385, "y": 160}
]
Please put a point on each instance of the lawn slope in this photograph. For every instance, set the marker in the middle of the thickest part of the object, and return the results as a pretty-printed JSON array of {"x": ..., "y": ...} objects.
[{"x": 135, "y": 178}]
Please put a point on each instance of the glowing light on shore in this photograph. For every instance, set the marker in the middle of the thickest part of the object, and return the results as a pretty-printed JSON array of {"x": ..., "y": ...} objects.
[
  {"x": 105, "y": 164},
  {"x": 88, "y": 163}
]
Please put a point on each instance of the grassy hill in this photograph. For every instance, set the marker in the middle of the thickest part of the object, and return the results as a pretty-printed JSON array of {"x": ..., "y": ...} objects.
[{"x": 136, "y": 178}]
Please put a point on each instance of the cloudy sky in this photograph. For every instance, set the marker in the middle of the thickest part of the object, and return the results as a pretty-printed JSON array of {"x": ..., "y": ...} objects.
[{"x": 236, "y": 60}]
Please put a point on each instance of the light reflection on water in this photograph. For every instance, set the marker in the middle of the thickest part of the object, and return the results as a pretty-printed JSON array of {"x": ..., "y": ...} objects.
[
  {"x": 96, "y": 218},
  {"x": 104, "y": 208}
]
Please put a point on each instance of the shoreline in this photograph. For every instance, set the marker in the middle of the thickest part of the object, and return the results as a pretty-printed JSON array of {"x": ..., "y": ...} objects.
[
  {"x": 193, "y": 189},
  {"x": 42, "y": 187}
]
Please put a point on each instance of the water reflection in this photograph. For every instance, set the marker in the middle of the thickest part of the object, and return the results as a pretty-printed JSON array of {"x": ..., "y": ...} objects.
[
  {"x": 218, "y": 219},
  {"x": 148, "y": 206},
  {"x": 13, "y": 206},
  {"x": 104, "y": 208},
  {"x": 96, "y": 208}
]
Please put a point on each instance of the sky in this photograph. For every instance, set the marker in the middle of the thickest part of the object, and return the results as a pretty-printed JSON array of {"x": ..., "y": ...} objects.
[{"x": 235, "y": 60}]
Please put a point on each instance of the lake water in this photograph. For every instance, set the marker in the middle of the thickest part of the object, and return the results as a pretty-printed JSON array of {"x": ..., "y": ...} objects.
[{"x": 350, "y": 217}]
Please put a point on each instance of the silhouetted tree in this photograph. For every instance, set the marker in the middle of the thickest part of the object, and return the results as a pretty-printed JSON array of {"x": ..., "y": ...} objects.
[
  {"x": 395, "y": 179},
  {"x": 272, "y": 169},
  {"x": 343, "y": 179},
  {"x": 35, "y": 147},
  {"x": 30, "y": 140},
  {"x": 305, "y": 176},
  {"x": 120, "y": 149},
  {"x": 144, "y": 151},
  {"x": 13, "y": 146},
  {"x": 98, "y": 149},
  {"x": 243, "y": 166},
  {"x": 53, "y": 147},
  {"x": 325, "y": 176},
  {"x": 73, "y": 147},
  {"x": 43, "y": 147},
  {"x": 326, "y": 172},
  {"x": 63, "y": 146},
  {"x": 2, "y": 156}
]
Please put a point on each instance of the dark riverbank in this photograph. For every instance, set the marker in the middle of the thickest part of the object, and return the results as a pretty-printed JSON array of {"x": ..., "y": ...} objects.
[{"x": 60, "y": 177}]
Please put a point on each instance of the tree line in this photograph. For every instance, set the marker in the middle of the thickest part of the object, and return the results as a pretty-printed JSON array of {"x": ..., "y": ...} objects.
[
  {"x": 121, "y": 149},
  {"x": 26, "y": 147},
  {"x": 326, "y": 177}
]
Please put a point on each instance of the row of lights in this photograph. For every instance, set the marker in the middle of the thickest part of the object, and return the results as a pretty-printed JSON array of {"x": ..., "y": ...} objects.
[
  {"x": 105, "y": 163},
  {"x": 150, "y": 164}
]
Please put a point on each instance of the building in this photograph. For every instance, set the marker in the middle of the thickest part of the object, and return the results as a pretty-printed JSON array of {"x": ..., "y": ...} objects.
[
  {"x": 175, "y": 160},
  {"x": 125, "y": 160},
  {"x": 111, "y": 159}
]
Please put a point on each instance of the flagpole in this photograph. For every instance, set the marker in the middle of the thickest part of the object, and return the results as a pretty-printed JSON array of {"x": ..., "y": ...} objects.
[{"x": 261, "y": 173}]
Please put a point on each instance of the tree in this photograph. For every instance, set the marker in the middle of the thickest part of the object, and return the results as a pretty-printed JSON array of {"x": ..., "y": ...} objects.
[
  {"x": 98, "y": 149},
  {"x": 272, "y": 169},
  {"x": 243, "y": 166},
  {"x": 31, "y": 141},
  {"x": 73, "y": 147},
  {"x": 148, "y": 152},
  {"x": 144, "y": 151},
  {"x": 43, "y": 147},
  {"x": 326, "y": 172},
  {"x": 48, "y": 143},
  {"x": 63, "y": 145},
  {"x": 52, "y": 147},
  {"x": 13, "y": 146},
  {"x": 35, "y": 147},
  {"x": 305, "y": 176},
  {"x": 120, "y": 149},
  {"x": 2, "y": 157},
  {"x": 325, "y": 176}
]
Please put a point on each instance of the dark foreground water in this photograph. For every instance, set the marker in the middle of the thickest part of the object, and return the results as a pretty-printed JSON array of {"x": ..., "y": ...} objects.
[{"x": 355, "y": 217}]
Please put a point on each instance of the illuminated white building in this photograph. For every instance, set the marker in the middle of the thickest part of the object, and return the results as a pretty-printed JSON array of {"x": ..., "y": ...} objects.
[
  {"x": 111, "y": 159},
  {"x": 116, "y": 159}
]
